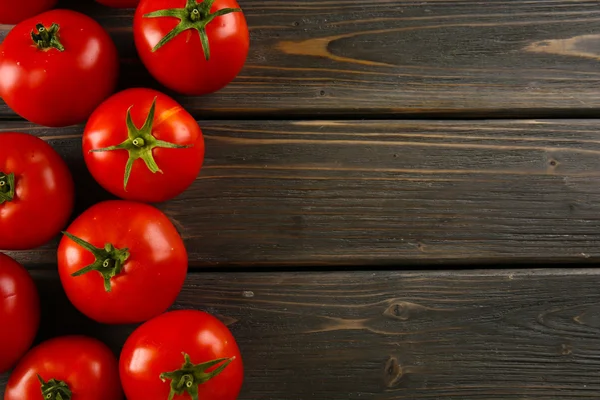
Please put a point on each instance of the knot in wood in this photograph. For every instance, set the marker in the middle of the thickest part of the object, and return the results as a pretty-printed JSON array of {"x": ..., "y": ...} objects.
[
  {"x": 392, "y": 373},
  {"x": 566, "y": 349},
  {"x": 399, "y": 310}
]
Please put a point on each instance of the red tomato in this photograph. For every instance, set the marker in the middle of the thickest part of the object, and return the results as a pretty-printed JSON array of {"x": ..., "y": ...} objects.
[
  {"x": 189, "y": 354},
  {"x": 142, "y": 145},
  {"x": 56, "y": 67},
  {"x": 119, "y": 3},
  {"x": 19, "y": 312},
  {"x": 36, "y": 192},
  {"x": 76, "y": 367},
  {"x": 168, "y": 39},
  {"x": 135, "y": 272},
  {"x": 12, "y": 12}
]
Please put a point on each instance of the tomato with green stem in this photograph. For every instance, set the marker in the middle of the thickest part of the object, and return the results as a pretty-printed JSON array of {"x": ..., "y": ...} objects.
[
  {"x": 56, "y": 67},
  {"x": 13, "y": 12},
  {"x": 122, "y": 262},
  {"x": 184, "y": 354},
  {"x": 193, "y": 47},
  {"x": 142, "y": 145},
  {"x": 66, "y": 368},
  {"x": 19, "y": 312},
  {"x": 36, "y": 190}
]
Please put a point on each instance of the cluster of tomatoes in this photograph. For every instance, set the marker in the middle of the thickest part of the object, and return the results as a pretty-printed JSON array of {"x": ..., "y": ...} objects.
[{"x": 120, "y": 261}]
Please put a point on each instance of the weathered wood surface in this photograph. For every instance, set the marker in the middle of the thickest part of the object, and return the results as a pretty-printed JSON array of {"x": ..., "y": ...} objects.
[
  {"x": 296, "y": 193},
  {"x": 315, "y": 58},
  {"x": 314, "y": 190},
  {"x": 392, "y": 335}
]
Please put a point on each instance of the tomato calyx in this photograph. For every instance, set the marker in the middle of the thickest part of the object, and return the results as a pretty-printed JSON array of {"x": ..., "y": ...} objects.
[
  {"x": 190, "y": 376},
  {"x": 47, "y": 38},
  {"x": 109, "y": 260},
  {"x": 140, "y": 143},
  {"x": 193, "y": 16},
  {"x": 7, "y": 187},
  {"x": 55, "y": 389}
]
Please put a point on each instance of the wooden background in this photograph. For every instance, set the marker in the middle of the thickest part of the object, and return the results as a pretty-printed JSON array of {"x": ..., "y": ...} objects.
[{"x": 400, "y": 200}]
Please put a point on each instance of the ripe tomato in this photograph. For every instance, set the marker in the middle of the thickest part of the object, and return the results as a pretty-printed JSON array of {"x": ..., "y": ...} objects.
[
  {"x": 192, "y": 46},
  {"x": 72, "y": 367},
  {"x": 12, "y": 12},
  {"x": 179, "y": 355},
  {"x": 56, "y": 67},
  {"x": 119, "y": 3},
  {"x": 19, "y": 312},
  {"x": 36, "y": 192},
  {"x": 142, "y": 145},
  {"x": 135, "y": 272}
]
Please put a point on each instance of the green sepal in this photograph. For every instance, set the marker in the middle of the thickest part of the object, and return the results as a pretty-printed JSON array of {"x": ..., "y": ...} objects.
[
  {"x": 193, "y": 16},
  {"x": 7, "y": 187},
  {"x": 140, "y": 142},
  {"x": 47, "y": 38},
  {"x": 54, "y": 389},
  {"x": 109, "y": 260},
  {"x": 190, "y": 376}
]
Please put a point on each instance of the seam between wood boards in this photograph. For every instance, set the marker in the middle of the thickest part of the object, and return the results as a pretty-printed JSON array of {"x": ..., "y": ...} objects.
[
  {"x": 565, "y": 270},
  {"x": 315, "y": 115},
  {"x": 533, "y": 268}
]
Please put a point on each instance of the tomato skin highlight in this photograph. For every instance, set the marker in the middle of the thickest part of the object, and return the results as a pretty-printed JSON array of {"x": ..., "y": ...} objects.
[
  {"x": 119, "y": 3},
  {"x": 156, "y": 347},
  {"x": 172, "y": 123},
  {"x": 58, "y": 88},
  {"x": 13, "y": 12},
  {"x": 180, "y": 64},
  {"x": 44, "y": 192},
  {"x": 19, "y": 312},
  {"x": 86, "y": 365},
  {"x": 152, "y": 276}
]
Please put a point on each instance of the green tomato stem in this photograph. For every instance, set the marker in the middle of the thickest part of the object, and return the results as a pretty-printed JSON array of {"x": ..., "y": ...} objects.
[
  {"x": 190, "y": 376},
  {"x": 47, "y": 38},
  {"x": 108, "y": 263},
  {"x": 54, "y": 389},
  {"x": 139, "y": 143},
  {"x": 195, "y": 15},
  {"x": 7, "y": 187}
]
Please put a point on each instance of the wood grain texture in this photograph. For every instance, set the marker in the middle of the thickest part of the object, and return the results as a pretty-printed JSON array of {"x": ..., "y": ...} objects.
[
  {"x": 391, "y": 335},
  {"x": 296, "y": 193},
  {"x": 350, "y": 57}
]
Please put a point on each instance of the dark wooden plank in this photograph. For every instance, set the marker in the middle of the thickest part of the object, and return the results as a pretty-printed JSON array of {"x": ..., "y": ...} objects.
[
  {"x": 391, "y": 335},
  {"x": 379, "y": 192},
  {"x": 384, "y": 57}
]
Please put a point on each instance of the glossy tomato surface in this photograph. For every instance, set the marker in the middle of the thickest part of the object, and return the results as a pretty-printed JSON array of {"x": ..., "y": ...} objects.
[
  {"x": 54, "y": 87},
  {"x": 119, "y": 3},
  {"x": 12, "y": 11},
  {"x": 19, "y": 312},
  {"x": 151, "y": 274},
  {"x": 178, "y": 167},
  {"x": 156, "y": 347},
  {"x": 87, "y": 367},
  {"x": 181, "y": 64},
  {"x": 40, "y": 194}
]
